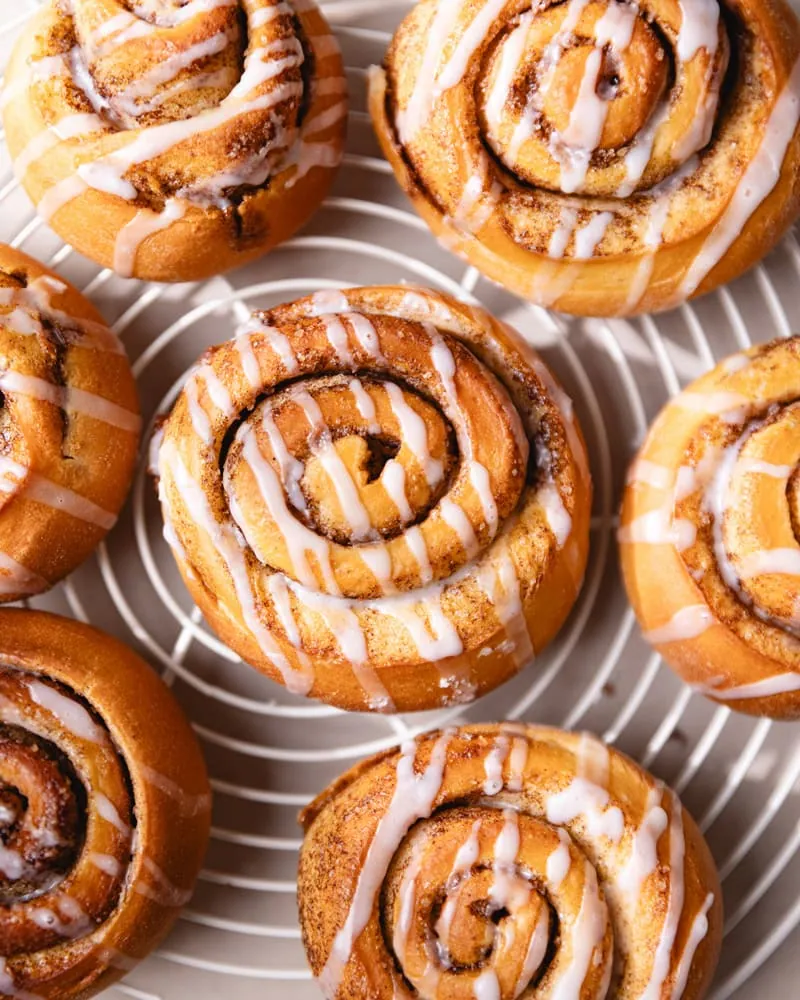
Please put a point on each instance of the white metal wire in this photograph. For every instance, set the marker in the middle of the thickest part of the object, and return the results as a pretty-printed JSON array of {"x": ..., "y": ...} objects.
[{"x": 739, "y": 777}]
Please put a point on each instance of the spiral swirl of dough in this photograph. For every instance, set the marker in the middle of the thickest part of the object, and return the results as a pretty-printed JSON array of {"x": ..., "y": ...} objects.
[
  {"x": 378, "y": 497},
  {"x": 711, "y": 532},
  {"x": 604, "y": 157},
  {"x": 176, "y": 140},
  {"x": 69, "y": 427},
  {"x": 104, "y": 808},
  {"x": 506, "y": 862}
]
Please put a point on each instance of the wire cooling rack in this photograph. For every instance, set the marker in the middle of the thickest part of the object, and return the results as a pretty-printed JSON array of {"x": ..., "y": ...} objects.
[{"x": 269, "y": 752}]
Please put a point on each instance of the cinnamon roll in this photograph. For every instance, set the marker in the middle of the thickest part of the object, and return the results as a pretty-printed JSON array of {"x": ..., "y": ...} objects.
[
  {"x": 69, "y": 427},
  {"x": 603, "y": 157},
  {"x": 502, "y": 862},
  {"x": 710, "y": 532},
  {"x": 379, "y": 498},
  {"x": 104, "y": 808},
  {"x": 175, "y": 139}
]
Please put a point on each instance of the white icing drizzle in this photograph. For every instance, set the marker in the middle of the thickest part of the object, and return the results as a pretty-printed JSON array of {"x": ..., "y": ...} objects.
[
  {"x": 16, "y": 478},
  {"x": 216, "y": 389},
  {"x": 393, "y": 480},
  {"x": 70, "y": 922},
  {"x": 291, "y": 468},
  {"x": 337, "y": 338},
  {"x": 517, "y": 761},
  {"x": 660, "y": 477},
  {"x": 69, "y": 713},
  {"x": 105, "y": 863},
  {"x": 298, "y": 538},
  {"x": 495, "y": 761},
  {"x": 454, "y": 69},
  {"x": 328, "y": 301},
  {"x": 562, "y": 234},
  {"x": 587, "y": 795},
  {"x": 201, "y": 424},
  {"x": 249, "y": 361},
  {"x": 139, "y": 96},
  {"x": 364, "y": 404},
  {"x": 513, "y": 51},
  {"x": 697, "y": 935},
  {"x": 557, "y": 516},
  {"x": 29, "y": 306},
  {"x": 9, "y": 986},
  {"x": 224, "y": 539},
  {"x": 69, "y": 127},
  {"x": 507, "y": 892},
  {"x": 560, "y": 861},
  {"x": 669, "y": 930},
  {"x": 699, "y": 28},
  {"x": 660, "y": 527},
  {"x": 766, "y": 561},
  {"x": 759, "y": 180},
  {"x": 406, "y": 898},
  {"x": 188, "y": 805},
  {"x": 415, "y": 541},
  {"x": 731, "y": 407},
  {"x": 688, "y": 623},
  {"x": 143, "y": 225},
  {"x": 18, "y": 579},
  {"x": 366, "y": 335},
  {"x": 413, "y": 799},
  {"x": 499, "y": 580},
  {"x": 12, "y": 864},
  {"x": 106, "y": 809},
  {"x": 277, "y": 341},
  {"x": 161, "y": 889},
  {"x": 487, "y": 986},
  {"x": 643, "y": 858},
  {"x": 343, "y": 623},
  {"x": 414, "y": 434},
  {"x": 756, "y": 466},
  {"x": 586, "y": 935},
  {"x": 456, "y": 519},
  {"x": 537, "y": 950},
  {"x": 638, "y": 157},
  {"x": 345, "y": 487},
  {"x": 70, "y": 398},
  {"x": 786, "y": 683},
  {"x": 589, "y": 237}
]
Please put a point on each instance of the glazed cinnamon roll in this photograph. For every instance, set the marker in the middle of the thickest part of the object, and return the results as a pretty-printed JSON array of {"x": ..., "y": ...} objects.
[
  {"x": 710, "y": 532},
  {"x": 602, "y": 157},
  {"x": 69, "y": 427},
  {"x": 173, "y": 140},
  {"x": 104, "y": 808},
  {"x": 502, "y": 862},
  {"x": 379, "y": 498}
]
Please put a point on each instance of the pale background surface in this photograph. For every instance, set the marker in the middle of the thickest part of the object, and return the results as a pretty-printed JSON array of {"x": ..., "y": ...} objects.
[{"x": 268, "y": 752}]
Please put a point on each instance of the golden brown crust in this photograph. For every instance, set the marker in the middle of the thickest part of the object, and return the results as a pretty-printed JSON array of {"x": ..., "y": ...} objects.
[
  {"x": 180, "y": 146},
  {"x": 709, "y": 536},
  {"x": 139, "y": 827},
  {"x": 378, "y": 498},
  {"x": 69, "y": 427},
  {"x": 480, "y": 861},
  {"x": 674, "y": 193}
]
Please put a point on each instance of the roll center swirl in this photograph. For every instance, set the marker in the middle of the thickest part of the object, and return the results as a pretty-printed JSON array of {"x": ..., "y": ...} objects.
[
  {"x": 755, "y": 500},
  {"x": 582, "y": 89},
  {"x": 339, "y": 444},
  {"x": 178, "y": 61},
  {"x": 40, "y": 831},
  {"x": 52, "y": 833},
  {"x": 333, "y": 472}
]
